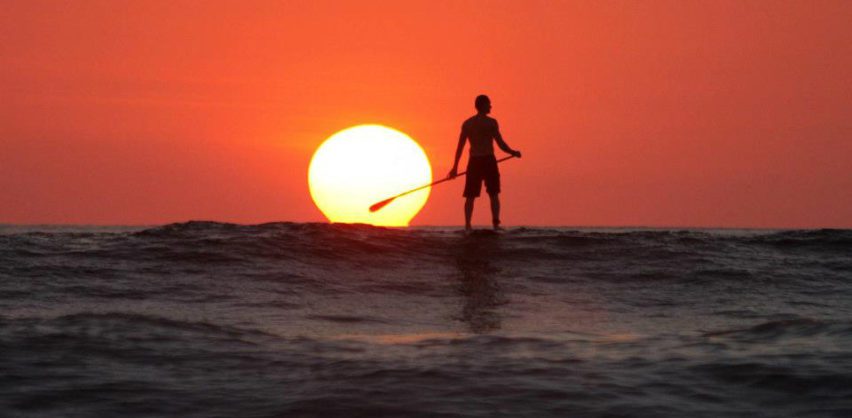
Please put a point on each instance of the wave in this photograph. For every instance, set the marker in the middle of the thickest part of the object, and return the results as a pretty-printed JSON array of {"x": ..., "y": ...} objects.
[
  {"x": 125, "y": 326},
  {"x": 787, "y": 328},
  {"x": 216, "y": 242}
]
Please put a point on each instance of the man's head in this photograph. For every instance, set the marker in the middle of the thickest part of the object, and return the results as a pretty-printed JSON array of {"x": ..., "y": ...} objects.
[{"x": 483, "y": 104}]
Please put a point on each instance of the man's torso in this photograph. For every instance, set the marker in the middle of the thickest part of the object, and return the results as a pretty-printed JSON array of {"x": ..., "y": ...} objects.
[{"x": 481, "y": 130}]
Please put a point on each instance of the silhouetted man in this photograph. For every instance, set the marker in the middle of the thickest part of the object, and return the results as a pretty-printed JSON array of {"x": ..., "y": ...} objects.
[{"x": 481, "y": 130}]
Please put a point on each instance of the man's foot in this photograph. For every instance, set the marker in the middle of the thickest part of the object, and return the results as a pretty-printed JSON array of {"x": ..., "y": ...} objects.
[
  {"x": 468, "y": 229},
  {"x": 496, "y": 223}
]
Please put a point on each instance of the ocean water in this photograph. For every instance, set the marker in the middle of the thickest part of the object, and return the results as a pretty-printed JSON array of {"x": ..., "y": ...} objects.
[{"x": 206, "y": 319}]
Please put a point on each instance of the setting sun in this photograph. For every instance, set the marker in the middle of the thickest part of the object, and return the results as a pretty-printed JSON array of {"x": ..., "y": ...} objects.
[{"x": 364, "y": 164}]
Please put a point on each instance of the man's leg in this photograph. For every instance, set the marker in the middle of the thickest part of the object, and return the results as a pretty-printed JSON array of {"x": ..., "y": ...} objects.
[
  {"x": 495, "y": 209},
  {"x": 468, "y": 212}
]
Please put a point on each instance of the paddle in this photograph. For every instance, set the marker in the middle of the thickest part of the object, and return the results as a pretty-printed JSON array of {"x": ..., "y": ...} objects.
[{"x": 383, "y": 203}]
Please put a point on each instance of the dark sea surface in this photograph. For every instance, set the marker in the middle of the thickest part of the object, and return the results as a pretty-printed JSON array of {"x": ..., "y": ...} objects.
[{"x": 206, "y": 319}]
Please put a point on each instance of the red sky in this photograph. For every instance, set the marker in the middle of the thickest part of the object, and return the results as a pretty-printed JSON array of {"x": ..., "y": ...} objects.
[{"x": 657, "y": 113}]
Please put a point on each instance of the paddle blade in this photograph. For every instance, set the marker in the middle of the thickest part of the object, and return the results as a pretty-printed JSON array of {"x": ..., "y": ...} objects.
[{"x": 383, "y": 203}]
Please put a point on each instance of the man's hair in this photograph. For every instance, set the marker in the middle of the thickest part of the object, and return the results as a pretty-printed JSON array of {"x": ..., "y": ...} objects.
[{"x": 481, "y": 101}]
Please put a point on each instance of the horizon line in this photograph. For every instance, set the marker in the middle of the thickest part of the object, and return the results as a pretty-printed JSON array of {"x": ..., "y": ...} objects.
[{"x": 148, "y": 225}]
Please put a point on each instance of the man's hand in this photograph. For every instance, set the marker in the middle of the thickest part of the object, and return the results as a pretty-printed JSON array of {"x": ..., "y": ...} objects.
[
  {"x": 453, "y": 173},
  {"x": 516, "y": 153}
]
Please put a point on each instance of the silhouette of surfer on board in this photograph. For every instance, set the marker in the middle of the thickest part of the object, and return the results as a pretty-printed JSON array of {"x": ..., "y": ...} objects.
[{"x": 481, "y": 130}]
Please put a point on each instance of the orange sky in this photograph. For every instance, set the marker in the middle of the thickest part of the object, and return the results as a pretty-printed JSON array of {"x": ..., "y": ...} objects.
[{"x": 658, "y": 113}]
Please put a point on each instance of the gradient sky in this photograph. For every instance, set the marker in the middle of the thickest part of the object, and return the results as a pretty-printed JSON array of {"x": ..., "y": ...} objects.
[{"x": 659, "y": 113}]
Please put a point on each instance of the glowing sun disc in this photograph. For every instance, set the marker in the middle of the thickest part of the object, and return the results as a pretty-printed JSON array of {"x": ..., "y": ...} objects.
[{"x": 365, "y": 164}]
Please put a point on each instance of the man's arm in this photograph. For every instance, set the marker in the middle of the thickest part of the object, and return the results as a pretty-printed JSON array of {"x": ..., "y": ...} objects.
[
  {"x": 459, "y": 149},
  {"x": 502, "y": 144}
]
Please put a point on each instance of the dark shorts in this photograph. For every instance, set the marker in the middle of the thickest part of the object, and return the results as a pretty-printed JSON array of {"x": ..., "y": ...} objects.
[{"x": 481, "y": 169}]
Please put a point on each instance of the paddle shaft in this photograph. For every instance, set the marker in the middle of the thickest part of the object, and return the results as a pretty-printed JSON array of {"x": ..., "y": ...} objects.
[{"x": 440, "y": 181}]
